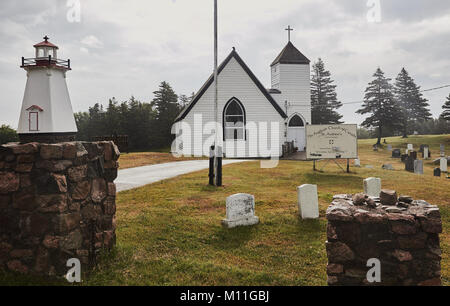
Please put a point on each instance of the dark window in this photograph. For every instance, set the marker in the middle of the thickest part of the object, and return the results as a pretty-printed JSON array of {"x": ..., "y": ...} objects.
[
  {"x": 234, "y": 121},
  {"x": 296, "y": 121}
]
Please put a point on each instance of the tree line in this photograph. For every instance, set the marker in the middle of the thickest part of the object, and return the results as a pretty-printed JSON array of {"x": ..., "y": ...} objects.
[
  {"x": 391, "y": 109},
  {"x": 147, "y": 124}
]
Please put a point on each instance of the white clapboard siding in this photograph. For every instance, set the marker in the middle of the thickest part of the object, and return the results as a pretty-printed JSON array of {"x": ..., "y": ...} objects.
[
  {"x": 47, "y": 89},
  {"x": 295, "y": 88},
  {"x": 235, "y": 82}
]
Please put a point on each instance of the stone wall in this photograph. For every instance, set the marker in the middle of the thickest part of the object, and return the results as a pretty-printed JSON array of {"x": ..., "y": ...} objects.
[
  {"x": 403, "y": 234},
  {"x": 57, "y": 201}
]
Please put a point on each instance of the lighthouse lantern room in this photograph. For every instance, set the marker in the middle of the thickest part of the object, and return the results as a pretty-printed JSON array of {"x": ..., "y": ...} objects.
[{"x": 46, "y": 114}]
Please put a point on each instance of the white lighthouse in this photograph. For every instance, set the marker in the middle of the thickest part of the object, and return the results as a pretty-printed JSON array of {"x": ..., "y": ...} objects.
[{"x": 46, "y": 114}]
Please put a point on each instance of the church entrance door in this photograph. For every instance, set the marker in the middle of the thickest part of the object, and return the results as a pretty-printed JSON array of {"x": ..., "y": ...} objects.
[{"x": 296, "y": 132}]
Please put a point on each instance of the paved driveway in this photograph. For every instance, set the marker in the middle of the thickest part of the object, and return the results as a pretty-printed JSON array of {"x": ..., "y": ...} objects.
[{"x": 140, "y": 176}]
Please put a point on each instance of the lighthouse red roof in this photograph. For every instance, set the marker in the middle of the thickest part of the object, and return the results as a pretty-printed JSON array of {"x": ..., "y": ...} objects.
[{"x": 45, "y": 43}]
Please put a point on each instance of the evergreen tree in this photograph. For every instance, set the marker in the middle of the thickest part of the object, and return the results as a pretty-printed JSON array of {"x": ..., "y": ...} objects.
[
  {"x": 413, "y": 105},
  {"x": 7, "y": 134},
  {"x": 324, "y": 100},
  {"x": 167, "y": 108},
  {"x": 446, "y": 107},
  {"x": 380, "y": 104}
]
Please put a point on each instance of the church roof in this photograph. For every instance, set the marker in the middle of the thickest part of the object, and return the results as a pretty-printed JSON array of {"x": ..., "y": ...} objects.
[
  {"x": 290, "y": 55},
  {"x": 210, "y": 81}
]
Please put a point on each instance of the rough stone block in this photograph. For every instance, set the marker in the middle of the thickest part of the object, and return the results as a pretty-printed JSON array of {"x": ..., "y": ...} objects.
[
  {"x": 51, "y": 151},
  {"x": 405, "y": 242},
  {"x": 9, "y": 182},
  {"x": 51, "y": 207},
  {"x": 388, "y": 197}
]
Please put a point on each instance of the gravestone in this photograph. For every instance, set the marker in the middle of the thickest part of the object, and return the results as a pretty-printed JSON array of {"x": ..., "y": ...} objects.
[
  {"x": 240, "y": 211},
  {"x": 437, "y": 172},
  {"x": 410, "y": 147},
  {"x": 308, "y": 201},
  {"x": 357, "y": 163},
  {"x": 426, "y": 153},
  {"x": 409, "y": 164},
  {"x": 404, "y": 157},
  {"x": 375, "y": 148},
  {"x": 442, "y": 149},
  {"x": 387, "y": 167},
  {"x": 443, "y": 164},
  {"x": 418, "y": 166},
  {"x": 372, "y": 186},
  {"x": 413, "y": 154},
  {"x": 389, "y": 147},
  {"x": 396, "y": 153}
]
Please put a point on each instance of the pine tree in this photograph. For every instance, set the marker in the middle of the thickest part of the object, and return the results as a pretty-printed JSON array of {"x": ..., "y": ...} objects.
[
  {"x": 324, "y": 100},
  {"x": 185, "y": 100},
  {"x": 446, "y": 107},
  {"x": 414, "y": 106},
  {"x": 379, "y": 102},
  {"x": 167, "y": 108}
]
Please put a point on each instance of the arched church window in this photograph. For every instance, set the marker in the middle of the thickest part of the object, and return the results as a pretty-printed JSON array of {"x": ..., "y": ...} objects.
[
  {"x": 296, "y": 121},
  {"x": 234, "y": 120}
]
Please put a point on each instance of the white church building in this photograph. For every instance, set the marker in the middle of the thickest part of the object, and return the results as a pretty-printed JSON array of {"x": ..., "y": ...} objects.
[{"x": 245, "y": 104}]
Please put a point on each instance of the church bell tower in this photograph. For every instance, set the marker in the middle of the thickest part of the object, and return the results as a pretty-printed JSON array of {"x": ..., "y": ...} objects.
[
  {"x": 46, "y": 114},
  {"x": 290, "y": 73}
]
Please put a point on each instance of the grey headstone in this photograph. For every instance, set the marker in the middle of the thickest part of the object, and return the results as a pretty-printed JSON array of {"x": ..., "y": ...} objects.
[
  {"x": 389, "y": 147},
  {"x": 372, "y": 186},
  {"x": 418, "y": 166},
  {"x": 396, "y": 153},
  {"x": 444, "y": 164},
  {"x": 387, "y": 167},
  {"x": 240, "y": 211}
]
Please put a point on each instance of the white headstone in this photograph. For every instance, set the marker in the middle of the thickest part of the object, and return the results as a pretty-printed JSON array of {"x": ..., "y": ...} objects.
[
  {"x": 389, "y": 147},
  {"x": 418, "y": 166},
  {"x": 357, "y": 163},
  {"x": 443, "y": 164},
  {"x": 410, "y": 147},
  {"x": 442, "y": 149},
  {"x": 240, "y": 211},
  {"x": 426, "y": 153},
  {"x": 372, "y": 186},
  {"x": 308, "y": 201}
]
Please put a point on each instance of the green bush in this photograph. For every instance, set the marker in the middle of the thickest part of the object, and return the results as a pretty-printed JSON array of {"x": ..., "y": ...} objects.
[{"x": 8, "y": 134}]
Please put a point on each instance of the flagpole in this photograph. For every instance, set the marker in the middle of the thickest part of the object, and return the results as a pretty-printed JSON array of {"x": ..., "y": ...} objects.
[{"x": 216, "y": 106}]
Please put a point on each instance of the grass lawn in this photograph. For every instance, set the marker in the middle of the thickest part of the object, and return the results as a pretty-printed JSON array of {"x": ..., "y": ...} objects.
[
  {"x": 169, "y": 233},
  {"x": 131, "y": 160}
]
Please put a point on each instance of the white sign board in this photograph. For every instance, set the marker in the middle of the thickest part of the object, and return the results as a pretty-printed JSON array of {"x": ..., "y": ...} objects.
[{"x": 331, "y": 141}]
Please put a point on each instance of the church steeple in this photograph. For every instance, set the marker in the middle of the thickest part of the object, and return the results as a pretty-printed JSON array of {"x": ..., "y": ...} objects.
[
  {"x": 290, "y": 55},
  {"x": 290, "y": 76}
]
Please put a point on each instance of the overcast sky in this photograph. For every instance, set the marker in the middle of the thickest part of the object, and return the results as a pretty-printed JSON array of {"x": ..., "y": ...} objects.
[{"x": 123, "y": 48}]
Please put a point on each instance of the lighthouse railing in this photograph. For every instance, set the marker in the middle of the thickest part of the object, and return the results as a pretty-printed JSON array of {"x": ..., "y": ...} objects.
[{"x": 45, "y": 61}]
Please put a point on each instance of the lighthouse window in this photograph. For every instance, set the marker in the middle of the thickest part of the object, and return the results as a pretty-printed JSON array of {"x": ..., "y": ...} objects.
[{"x": 33, "y": 121}]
